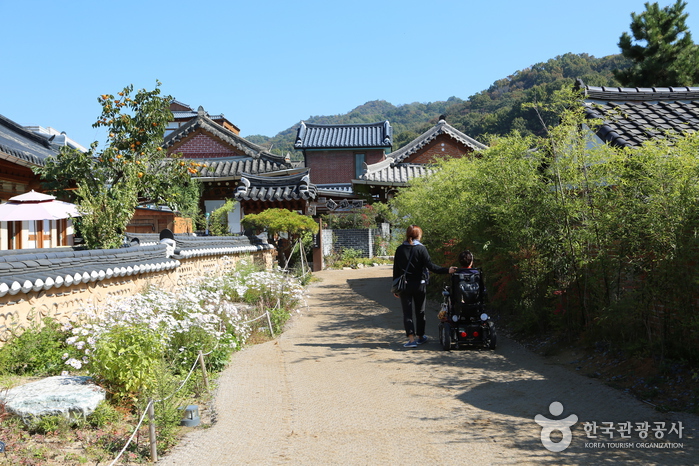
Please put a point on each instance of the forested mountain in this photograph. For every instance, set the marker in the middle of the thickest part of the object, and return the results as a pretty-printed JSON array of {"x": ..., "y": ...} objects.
[{"x": 494, "y": 111}]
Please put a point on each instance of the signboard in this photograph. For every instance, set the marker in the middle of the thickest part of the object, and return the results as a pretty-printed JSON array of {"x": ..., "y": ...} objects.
[{"x": 345, "y": 204}]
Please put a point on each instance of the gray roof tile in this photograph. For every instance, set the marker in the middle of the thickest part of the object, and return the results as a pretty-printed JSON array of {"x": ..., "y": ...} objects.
[
  {"x": 389, "y": 172},
  {"x": 631, "y": 116},
  {"x": 22, "y": 145},
  {"x": 371, "y": 135},
  {"x": 234, "y": 167},
  {"x": 20, "y": 266},
  {"x": 276, "y": 188}
]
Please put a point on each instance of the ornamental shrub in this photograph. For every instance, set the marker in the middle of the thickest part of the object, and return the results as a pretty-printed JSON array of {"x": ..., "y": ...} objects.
[
  {"x": 126, "y": 358},
  {"x": 37, "y": 351}
]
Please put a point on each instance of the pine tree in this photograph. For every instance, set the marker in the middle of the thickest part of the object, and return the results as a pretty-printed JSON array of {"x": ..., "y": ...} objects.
[{"x": 664, "y": 53}]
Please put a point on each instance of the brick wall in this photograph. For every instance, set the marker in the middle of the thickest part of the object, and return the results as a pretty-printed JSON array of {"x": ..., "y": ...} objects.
[
  {"x": 202, "y": 145},
  {"x": 337, "y": 166},
  {"x": 443, "y": 146}
]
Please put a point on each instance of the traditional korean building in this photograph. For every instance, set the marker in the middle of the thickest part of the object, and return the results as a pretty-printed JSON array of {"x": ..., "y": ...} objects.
[
  {"x": 381, "y": 179},
  {"x": 20, "y": 150},
  {"x": 183, "y": 113},
  {"x": 336, "y": 154},
  {"x": 226, "y": 156}
]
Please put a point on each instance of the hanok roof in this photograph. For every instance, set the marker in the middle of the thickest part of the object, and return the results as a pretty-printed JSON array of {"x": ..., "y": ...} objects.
[
  {"x": 22, "y": 146},
  {"x": 256, "y": 159},
  {"x": 183, "y": 112},
  {"x": 372, "y": 135},
  {"x": 442, "y": 127},
  {"x": 631, "y": 116},
  {"x": 293, "y": 186},
  {"x": 389, "y": 173},
  {"x": 235, "y": 167},
  {"x": 394, "y": 172}
]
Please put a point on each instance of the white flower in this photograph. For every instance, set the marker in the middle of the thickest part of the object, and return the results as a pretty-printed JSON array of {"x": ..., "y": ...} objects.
[{"x": 75, "y": 363}]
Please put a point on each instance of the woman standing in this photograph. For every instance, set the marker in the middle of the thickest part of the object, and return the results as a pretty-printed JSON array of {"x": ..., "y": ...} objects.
[{"x": 412, "y": 258}]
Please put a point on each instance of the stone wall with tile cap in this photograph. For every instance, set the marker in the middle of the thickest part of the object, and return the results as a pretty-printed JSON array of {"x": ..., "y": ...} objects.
[{"x": 60, "y": 283}]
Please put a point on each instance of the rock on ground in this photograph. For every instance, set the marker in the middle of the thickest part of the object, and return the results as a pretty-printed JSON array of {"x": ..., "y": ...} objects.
[{"x": 70, "y": 396}]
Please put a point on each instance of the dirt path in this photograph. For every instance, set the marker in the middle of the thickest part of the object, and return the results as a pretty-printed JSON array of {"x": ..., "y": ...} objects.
[{"x": 339, "y": 388}]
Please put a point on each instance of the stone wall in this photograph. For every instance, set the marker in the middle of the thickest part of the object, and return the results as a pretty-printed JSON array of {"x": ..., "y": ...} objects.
[{"x": 23, "y": 310}]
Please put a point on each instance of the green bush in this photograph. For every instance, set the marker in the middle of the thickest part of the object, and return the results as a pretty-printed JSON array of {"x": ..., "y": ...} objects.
[
  {"x": 103, "y": 415},
  {"x": 126, "y": 359},
  {"x": 38, "y": 351},
  {"x": 279, "y": 317}
]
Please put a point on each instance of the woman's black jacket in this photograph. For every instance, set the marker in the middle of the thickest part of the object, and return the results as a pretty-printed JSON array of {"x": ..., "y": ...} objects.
[{"x": 419, "y": 262}]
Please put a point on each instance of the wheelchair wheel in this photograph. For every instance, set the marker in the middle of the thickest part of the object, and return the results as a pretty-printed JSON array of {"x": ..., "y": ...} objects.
[
  {"x": 445, "y": 337},
  {"x": 493, "y": 340}
]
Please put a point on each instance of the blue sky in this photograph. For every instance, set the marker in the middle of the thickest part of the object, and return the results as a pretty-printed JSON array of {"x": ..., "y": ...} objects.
[{"x": 267, "y": 64}]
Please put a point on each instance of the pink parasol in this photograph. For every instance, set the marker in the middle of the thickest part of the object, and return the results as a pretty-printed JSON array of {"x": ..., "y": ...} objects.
[{"x": 36, "y": 206}]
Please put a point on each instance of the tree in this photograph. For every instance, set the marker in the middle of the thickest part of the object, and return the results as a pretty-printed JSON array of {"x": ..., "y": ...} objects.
[
  {"x": 107, "y": 184},
  {"x": 277, "y": 221},
  {"x": 218, "y": 220},
  {"x": 664, "y": 53}
]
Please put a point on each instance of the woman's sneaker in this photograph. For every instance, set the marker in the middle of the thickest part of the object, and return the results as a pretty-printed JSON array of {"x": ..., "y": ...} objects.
[
  {"x": 422, "y": 339},
  {"x": 410, "y": 344}
]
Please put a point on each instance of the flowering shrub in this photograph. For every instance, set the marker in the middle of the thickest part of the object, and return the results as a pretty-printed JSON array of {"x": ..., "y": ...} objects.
[{"x": 123, "y": 344}]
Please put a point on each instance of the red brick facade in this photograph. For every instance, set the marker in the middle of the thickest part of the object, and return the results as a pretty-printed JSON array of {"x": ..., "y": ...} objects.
[
  {"x": 442, "y": 146},
  {"x": 203, "y": 145},
  {"x": 338, "y": 166}
]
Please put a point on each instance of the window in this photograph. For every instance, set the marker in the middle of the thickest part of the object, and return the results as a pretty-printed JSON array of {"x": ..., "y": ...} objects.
[{"x": 359, "y": 160}]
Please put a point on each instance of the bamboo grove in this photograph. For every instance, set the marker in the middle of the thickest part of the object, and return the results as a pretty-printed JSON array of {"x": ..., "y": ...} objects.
[{"x": 585, "y": 239}]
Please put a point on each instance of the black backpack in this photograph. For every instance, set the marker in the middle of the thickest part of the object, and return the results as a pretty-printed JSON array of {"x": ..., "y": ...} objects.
[{"x": 468, "y": 285}]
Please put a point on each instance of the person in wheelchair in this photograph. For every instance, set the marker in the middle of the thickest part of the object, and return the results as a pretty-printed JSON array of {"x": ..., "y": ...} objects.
[
  {"x": 469, "y": 287},
  {"x": 463, "y": 320}
]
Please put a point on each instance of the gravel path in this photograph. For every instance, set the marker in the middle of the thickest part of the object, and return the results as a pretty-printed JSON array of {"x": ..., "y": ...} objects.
[{"x": 339, "y": 388}]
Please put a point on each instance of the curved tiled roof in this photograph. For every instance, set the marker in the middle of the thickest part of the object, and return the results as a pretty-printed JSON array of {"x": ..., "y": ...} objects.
[
  {"x": 276, "y": 188},
  {"x": 187, "y": 246},
  {"x": 22, "y": 146},
  {"x": 177, "y": 114},
  {"x": 391, "y": 173},
  {"x": 442, "y": 127},
  {"x": 312, "y": 136},
  {"x": 638, "y": 94},
  {"x": 335, "y": 188},
  {"x": 631, "y": 116},
  {"x": 23, "y": 271},
  {"x": 235, "y": 167}
]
